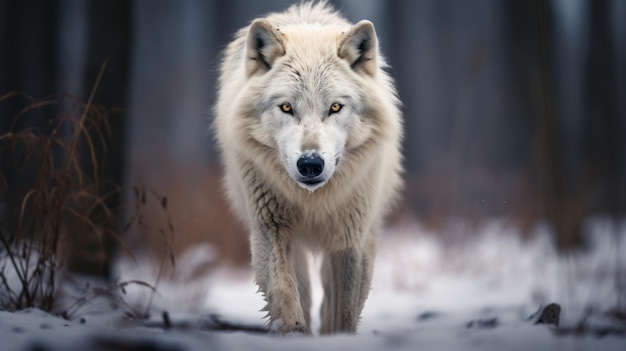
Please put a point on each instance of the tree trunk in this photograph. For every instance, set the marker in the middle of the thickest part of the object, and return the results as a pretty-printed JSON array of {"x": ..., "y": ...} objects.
[
  {"x": 530, "y": 26},
  {"x": 108, "y": 41}
]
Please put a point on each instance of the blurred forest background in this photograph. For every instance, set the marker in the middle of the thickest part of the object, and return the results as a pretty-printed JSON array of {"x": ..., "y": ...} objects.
[{"x": 513, "y": 109}]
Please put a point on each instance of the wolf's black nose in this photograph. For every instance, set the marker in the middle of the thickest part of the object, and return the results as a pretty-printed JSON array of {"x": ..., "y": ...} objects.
[{"x": 310, "y": 165}]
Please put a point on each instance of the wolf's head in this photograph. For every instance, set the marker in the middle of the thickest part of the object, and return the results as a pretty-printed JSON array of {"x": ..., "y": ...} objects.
[{"x": 310, "y": 92}]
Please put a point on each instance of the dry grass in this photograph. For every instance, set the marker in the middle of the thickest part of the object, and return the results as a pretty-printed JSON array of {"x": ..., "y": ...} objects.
[
  {"x": 62, "y": 197},
  {"x": 62, "y": 204},
  {"x": 63, "y": 212},
  {"x": 63, "y": 208}
]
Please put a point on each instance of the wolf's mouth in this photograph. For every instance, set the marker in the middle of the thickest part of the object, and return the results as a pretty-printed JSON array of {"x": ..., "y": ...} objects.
[
  {"x": 311, "y": 181},
  {"x": 311, "y": 184}
]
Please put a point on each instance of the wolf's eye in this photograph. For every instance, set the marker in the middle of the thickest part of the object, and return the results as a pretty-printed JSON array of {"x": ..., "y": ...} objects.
[
  {"x": 334, "y": 108},
  {"x": 286, "y": 108}
]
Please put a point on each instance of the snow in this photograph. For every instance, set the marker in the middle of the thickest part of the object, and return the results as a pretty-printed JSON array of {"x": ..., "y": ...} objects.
[{"x": 473, "y": 294}]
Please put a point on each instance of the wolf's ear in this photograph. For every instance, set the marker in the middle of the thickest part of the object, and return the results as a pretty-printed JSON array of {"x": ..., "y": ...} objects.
[
  {"x": 263, "y": 46},
  {"x": 359, "y": 47}
]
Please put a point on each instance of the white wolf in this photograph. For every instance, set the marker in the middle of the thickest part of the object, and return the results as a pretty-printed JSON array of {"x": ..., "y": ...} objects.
[{"x": 309, "y": 129}]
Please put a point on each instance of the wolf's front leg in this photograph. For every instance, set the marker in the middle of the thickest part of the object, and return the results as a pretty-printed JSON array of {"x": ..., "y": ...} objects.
[
  {"x": 273, "y": 274},
  {"x": 346, "y": 277}
]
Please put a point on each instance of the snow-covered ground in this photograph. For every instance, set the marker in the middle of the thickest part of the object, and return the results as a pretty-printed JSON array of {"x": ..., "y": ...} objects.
[{"x": 473, "y": 294}]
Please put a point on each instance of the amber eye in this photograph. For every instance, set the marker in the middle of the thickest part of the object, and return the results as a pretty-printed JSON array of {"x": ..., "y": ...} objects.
[
  {"x": 286, "y": 108},
  {"x": 335, "y": 107}
]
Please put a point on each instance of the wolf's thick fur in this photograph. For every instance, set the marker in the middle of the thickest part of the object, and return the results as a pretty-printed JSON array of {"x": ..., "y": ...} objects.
[{"x": 309, "y": 129}]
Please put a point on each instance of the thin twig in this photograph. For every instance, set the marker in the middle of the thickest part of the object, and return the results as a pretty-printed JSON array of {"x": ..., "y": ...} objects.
[{"x": 81, "y": 121}]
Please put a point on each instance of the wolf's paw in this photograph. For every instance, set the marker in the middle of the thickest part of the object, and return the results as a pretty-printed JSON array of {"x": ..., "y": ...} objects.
[{"x": 278, "y": 327}]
